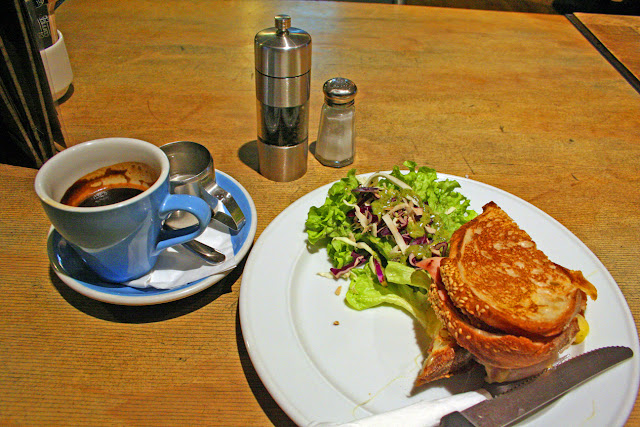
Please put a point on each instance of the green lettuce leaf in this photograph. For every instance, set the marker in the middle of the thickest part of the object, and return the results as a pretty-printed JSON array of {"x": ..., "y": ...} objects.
[
  {"x": 330, "y": 220},
  {"x": 406, "y": 275},
  {"x": 339, "y": 253},
  {"x": 442, "y": 197},
  {"x": 405, "y": 285},
  {"x": 365, "y": 292}
]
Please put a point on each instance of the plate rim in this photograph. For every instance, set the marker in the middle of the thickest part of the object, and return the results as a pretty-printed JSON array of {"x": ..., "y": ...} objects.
[
  {"x": 296, "y": 413},
  {"x": 166, "y": 295}
]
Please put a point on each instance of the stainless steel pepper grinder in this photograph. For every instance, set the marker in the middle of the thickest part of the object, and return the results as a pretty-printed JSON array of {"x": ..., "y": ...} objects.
[{"x": 283, "y": 77}]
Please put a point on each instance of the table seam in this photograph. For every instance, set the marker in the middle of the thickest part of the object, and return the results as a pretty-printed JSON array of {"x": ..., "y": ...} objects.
[{"x": 606, "y": 53}]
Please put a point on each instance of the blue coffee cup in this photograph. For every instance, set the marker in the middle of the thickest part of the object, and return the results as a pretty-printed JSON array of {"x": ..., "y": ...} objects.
[{"x": 120, "y": 241}]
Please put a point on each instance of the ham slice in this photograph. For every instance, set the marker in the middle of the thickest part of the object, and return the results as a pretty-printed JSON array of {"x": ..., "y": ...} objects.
[{"x": 432, "y": 266}]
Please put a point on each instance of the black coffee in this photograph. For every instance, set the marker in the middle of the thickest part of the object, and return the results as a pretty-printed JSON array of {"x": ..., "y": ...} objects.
[
  {"x": 110, "y": 184},
  {"x": 109, "y": 197}
]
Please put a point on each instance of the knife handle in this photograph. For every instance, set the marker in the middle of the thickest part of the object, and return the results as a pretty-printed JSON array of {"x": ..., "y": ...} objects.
[{"x": 455, "y": 419}]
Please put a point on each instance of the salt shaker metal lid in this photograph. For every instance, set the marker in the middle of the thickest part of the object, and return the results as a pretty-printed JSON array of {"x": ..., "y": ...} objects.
[
  {"x": 282, "y": 51},
  {"x": 339, "y": 91}
]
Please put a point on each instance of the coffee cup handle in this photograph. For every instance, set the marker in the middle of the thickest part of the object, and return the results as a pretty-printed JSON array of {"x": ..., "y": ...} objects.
[{"x": 192, "y": 204}]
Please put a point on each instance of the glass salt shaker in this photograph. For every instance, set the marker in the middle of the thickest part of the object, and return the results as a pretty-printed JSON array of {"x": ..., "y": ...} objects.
[{"x": 335, "y": 146}]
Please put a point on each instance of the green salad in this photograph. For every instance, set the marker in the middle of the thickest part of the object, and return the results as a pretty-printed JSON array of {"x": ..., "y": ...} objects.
[{"x": 384, "y": 233}]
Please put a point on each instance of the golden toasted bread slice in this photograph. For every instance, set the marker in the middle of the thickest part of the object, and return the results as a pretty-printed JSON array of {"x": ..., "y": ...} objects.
[
  {"x": 496, "y": 349},
  {"x": 496, "y": 274}
]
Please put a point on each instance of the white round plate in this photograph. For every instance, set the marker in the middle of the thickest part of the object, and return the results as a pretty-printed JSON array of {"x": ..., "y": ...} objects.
[
  {"x": 72, "y": 271},
  {"x": 319, "y": 371}
]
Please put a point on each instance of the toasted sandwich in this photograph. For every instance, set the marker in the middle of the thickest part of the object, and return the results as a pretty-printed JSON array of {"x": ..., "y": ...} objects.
[{"x": 502, "y": 302}]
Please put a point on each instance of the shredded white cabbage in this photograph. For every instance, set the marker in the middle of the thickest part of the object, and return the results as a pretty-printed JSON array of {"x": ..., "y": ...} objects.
[
  {"x": 399, "y": 206},
  {"x": 360, "y": 245},
  {"x": 393, "y": 179},
  {"x": 362, "y": 219},
  {"x": 394, "y": 231}
]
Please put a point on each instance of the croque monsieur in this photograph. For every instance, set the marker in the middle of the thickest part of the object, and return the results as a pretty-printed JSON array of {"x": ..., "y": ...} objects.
[{"x": 502, "y": 303}]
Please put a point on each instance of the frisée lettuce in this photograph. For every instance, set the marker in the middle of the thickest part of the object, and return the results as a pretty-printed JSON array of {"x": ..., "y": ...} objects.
[{"x": 380, "y": 230}]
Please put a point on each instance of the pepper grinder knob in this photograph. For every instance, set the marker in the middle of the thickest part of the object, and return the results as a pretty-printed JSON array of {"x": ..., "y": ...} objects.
[{"x": 283, "y": 23}]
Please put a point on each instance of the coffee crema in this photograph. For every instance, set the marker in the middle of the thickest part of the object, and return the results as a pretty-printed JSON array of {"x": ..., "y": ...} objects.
[{"x": 110, "y": 184}]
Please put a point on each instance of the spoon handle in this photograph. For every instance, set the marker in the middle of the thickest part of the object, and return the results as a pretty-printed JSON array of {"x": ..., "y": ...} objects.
[{"x": 206, "y": 252}]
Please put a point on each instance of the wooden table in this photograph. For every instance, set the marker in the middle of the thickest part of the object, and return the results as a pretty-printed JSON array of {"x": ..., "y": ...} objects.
[
  {"x": 618, "y": 39},
  {"x": 522, "y": 102}
]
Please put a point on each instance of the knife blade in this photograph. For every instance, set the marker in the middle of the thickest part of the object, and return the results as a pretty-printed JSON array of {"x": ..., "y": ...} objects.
[{"x": 518, "y": 403}]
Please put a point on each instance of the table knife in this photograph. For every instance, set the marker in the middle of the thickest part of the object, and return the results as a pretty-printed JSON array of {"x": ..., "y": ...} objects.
[{"x": 515, "y": 405}]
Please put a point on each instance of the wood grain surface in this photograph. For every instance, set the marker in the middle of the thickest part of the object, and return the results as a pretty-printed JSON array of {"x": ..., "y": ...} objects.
[
  {"x": 620, "y": 34},
  {"x": 530, "y": 6},
  {"x": 518, "y": 101}
]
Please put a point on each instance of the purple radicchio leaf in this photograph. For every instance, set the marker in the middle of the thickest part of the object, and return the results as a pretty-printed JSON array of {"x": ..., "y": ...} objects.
[
  {"x": 412, "y": 259},
  {"x": 441, "y": 245},
  {"x": 384, "y": 231},
  {"x": 379, "y": 273},
  {"x": 357, "y": 261},
  {"x": 422, "y": 240}
]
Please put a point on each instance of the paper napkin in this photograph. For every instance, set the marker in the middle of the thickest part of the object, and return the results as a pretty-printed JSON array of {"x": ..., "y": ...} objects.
[
  {"x": 421, "y": 414},
  {"x": 178, "y": 266}
]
